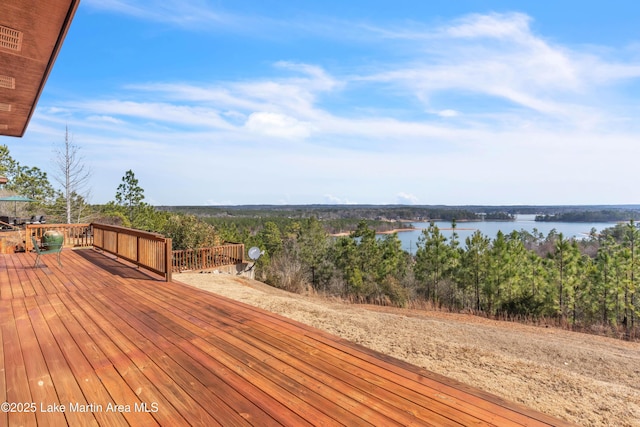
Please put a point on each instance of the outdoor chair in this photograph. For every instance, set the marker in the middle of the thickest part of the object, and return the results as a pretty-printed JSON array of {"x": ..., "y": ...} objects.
[
  {"x": 50, "y": 249},
  {"x": 37, "y": 219}
]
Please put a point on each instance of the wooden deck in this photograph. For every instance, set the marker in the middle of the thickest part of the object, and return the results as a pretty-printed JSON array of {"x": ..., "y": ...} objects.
[{"x": 112, "y": 346}]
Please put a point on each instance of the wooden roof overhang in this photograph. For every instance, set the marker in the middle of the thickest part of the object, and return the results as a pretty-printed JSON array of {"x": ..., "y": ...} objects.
[{"x": 31, "y": 35}]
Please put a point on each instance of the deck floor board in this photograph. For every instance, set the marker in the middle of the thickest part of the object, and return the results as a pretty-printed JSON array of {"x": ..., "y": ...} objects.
[
  {"x": 129, "y": 363},
  {"x": 399, "y": 374},
  {"x": 225, "y": 399},
  {"x": 100, "y": 334},
  {"x": 94, "y": 388},
  {"x": 15, "y": 372},
  {"x": 40, "y": 381},
  {"x": 187, "y": 387},
  {"x": 368, "y": 399},
  {"x": 254, "y": 372}
]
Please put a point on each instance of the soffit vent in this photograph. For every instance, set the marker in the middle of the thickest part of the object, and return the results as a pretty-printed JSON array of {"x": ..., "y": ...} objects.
[
  {"x": 5, "y": 107},
  {"x": 7, "y": 82},
  {"x": 10, "y": 38}
]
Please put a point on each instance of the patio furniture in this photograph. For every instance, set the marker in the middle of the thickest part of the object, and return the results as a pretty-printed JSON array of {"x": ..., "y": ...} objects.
[
  {"x": 50, "y": 248},
  {"x": 37, "y": 219}
]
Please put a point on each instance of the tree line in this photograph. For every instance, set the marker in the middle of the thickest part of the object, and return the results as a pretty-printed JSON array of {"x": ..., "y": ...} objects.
[
  {"x": 604, "y": 215},
  {"x": 589, "y": 285},
  {"x": 338, "y": 212}
]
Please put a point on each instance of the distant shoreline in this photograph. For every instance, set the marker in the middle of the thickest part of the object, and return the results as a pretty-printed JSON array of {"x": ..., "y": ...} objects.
[
  {"x": 395, "y": 230},
  {"x": 398, "y": 230},
  {"x": 402, "y": 230}
]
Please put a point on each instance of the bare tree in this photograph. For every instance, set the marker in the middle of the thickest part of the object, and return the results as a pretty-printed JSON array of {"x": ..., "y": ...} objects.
[{"x": 71, "y": 173}]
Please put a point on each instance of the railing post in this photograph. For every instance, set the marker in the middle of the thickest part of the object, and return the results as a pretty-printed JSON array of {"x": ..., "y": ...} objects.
[{"x": 168, "y": 258}]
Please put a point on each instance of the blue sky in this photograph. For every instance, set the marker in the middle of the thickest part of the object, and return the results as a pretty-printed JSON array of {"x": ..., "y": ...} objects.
[{"x": 289, "y": 102}]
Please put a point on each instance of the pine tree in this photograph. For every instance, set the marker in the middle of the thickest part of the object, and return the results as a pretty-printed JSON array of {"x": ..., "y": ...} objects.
[
  {"x": 432, "y": 258},
  {"x": 630, "y": 242},
  {"x": 474, "y": 264},
  {"x": 566, "y": 256},
  {"x": 130, "y": 195}
]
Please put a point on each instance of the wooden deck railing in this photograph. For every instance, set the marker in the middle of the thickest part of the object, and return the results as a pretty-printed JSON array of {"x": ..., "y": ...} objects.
[
  {"x": 149, "y": 250},
  {"x": 205, "y": 258},
  {"x": 75, "y": 235}
]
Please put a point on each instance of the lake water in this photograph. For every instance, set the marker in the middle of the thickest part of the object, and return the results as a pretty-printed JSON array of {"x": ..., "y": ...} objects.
[{"x": 490, "y": 229}]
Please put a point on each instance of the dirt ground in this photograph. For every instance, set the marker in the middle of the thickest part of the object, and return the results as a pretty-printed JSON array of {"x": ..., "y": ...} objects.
[{"x": 585, "y": 379}]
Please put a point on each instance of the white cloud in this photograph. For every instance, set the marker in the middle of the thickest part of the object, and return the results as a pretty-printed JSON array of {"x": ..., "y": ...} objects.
[
  {"x": 106, "y": 119},
  {"x": 494, "y": 25},
  {"x": 316, "y": 80},
  {"x": 515, "y": 69},
  {"x": 211, "y": 202},
  {"x": 407, "y": 199},
  {"x": 278, "y": 125},
  {"x": 525, "y": 117},
  {"x": 500, "y": 58},
  {"x": 158, "y": 112},
  {"x": 56, "y": 110},
  {"x": 447, "y": 113},
  {"x": 294, "y": 94},
  {"x": 188, "y": 14},
  {"x": 330, "y": 199}
]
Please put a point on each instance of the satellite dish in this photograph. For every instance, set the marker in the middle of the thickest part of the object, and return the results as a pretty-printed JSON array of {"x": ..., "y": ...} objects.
[{"x": 254, "y": 253}]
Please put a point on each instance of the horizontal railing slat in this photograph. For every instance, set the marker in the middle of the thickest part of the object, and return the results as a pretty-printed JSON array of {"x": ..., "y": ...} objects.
[{"x": 206, "y": 258}]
